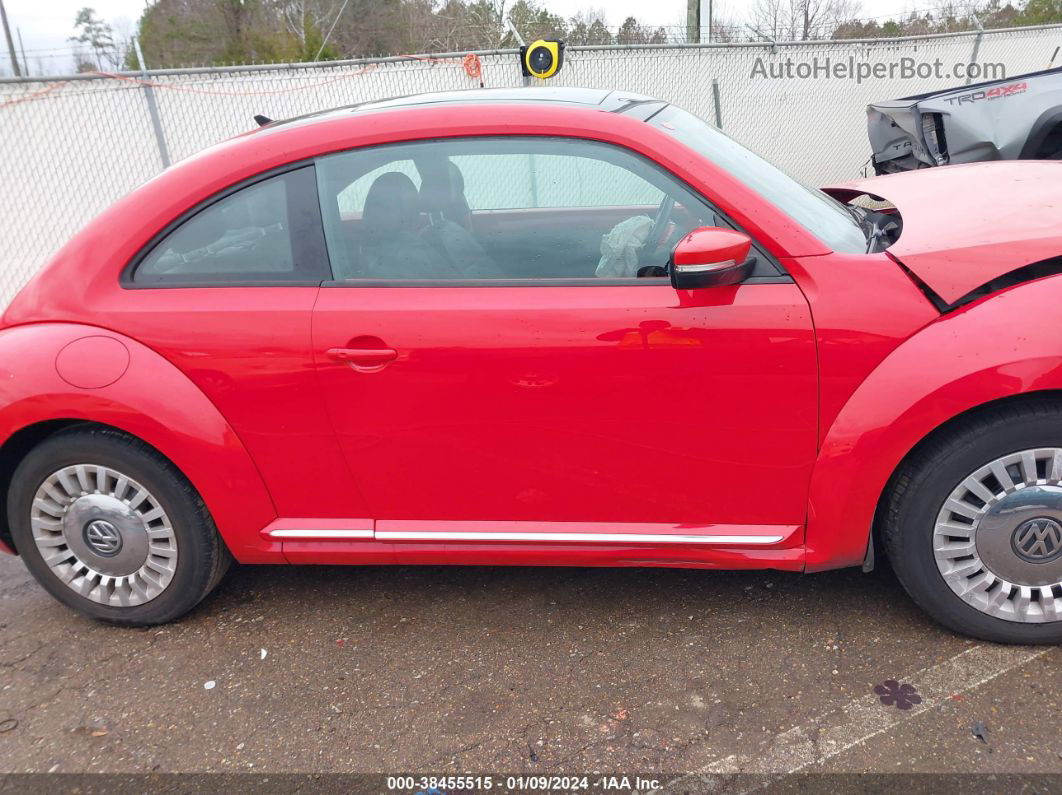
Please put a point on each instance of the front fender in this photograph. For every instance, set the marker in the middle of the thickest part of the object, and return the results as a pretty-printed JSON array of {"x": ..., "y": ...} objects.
[
  {"x": 1005, "y": 345},
  {"x": 150, "y": 399}
]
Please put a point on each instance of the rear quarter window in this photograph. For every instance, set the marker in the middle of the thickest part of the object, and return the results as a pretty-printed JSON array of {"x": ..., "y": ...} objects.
[{"x": 259, "y": 234}]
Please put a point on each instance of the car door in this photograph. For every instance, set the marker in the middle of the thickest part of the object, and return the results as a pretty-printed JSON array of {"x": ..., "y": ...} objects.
[
  {"x": 493, "y": 364},
  {"x": 226, "y": 294}
]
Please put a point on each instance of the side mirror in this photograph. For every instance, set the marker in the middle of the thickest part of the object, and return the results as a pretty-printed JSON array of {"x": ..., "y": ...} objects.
[{"x": 710, "y": 257}]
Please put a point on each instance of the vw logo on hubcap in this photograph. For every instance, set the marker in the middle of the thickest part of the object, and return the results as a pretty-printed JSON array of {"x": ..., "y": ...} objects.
[
  {"x": 1038, "y": 540},
  {"x": 103, "y": 538}
]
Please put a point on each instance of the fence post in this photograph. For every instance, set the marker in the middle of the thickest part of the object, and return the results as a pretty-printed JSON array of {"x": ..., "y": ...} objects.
[
  {"x": 976, "y": 47},
  {"x": 152, "y": 106},
  {"x": 715, "y": 99}
]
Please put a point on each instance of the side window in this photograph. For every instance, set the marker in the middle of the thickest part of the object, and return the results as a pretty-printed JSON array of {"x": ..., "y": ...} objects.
[
  {"x": 551, "y": 180},
  {"x": 266, "y": 233},
  {"x": 494, "y": 208}
]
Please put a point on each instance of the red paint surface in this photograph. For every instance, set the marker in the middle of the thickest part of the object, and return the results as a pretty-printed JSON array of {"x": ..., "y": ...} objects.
[
  {"x": 92, "y": 362},
  {"x": 784, "y": 405},
  {"x": 615, "y": 404},
  {"x": 966, "y": 225}
]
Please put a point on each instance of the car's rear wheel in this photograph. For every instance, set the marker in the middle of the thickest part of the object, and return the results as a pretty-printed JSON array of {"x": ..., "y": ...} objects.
[
  {"x": 110, "y": 528},
  {"x": 973, "y": 525}
]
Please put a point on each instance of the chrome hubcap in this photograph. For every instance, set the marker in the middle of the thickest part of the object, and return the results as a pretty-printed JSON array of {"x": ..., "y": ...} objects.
[
  {"x": 103, "y": 538},
  {"x": 104, "y": 535},
  {"x": 998, "y": 537}
]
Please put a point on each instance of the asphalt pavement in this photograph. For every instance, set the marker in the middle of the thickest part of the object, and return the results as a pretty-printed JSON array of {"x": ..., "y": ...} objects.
[{"x": 519, "y": 670}]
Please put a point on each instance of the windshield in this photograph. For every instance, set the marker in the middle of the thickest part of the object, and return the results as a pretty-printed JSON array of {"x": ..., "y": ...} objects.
[{"x": 825, "y": 217}]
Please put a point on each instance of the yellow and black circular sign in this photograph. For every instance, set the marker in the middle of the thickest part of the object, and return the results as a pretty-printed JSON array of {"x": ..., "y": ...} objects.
[{"x": 542, "y": 58}]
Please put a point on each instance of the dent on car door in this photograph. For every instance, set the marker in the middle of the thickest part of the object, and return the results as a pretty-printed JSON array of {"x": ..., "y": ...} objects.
[
  {"x": 226, "y": 294},
  {"x": 535, "y": 395}
]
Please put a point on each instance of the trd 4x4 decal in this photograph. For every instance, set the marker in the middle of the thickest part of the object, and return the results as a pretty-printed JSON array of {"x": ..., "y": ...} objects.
[{"x": 998, "y": 92}]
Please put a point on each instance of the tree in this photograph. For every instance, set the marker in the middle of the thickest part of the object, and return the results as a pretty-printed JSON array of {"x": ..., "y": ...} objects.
[
  {"x": 952, "y": 18},
  {"x": 107, "y": 53},
  {"x": 1040, "y": 12},
  {"x": 177, "y": 33},
  {"x": 633, "y": 32},
  {"x": 820, "y": 17},
  {"x": 802, "y": 20},
  {"x": 588, "y": 27},
  {"x": 484, "y": 19},
  {"x": 534, "y": 22},
  {"x": 307, "y": 21}
]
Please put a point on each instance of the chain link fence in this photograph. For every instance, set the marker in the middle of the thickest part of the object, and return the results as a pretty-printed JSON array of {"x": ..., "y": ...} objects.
[{"x": 71, "y": 146}]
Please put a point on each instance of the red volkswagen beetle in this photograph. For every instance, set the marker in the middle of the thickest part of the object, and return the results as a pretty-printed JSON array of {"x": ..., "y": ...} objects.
[{"x": 555, "y": 327}]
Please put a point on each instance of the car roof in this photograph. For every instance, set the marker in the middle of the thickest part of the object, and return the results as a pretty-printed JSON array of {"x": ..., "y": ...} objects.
[
  {"x": 590, "y": 98},
  {"x": 606, "y": 100}
]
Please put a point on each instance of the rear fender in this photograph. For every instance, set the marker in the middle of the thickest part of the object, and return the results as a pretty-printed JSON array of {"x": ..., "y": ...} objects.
[
  {"x": 1002, "y": 346},
  {"x": 148, "y": 398}
]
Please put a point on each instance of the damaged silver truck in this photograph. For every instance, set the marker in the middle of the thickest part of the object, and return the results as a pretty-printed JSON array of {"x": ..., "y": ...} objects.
[{"x": 1019, "y": 118}]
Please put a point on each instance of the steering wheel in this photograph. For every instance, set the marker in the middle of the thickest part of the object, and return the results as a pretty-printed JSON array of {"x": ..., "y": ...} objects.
[{"x": 658, "y": 231}]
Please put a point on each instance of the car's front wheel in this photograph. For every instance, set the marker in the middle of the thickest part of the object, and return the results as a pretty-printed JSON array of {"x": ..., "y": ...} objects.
[
  {"x": 973, "y": 525},
  {"x": 110, "y": 528}
]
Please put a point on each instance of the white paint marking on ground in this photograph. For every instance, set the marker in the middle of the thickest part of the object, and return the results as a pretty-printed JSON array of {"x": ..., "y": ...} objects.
[{"x": 864, "y": 718}]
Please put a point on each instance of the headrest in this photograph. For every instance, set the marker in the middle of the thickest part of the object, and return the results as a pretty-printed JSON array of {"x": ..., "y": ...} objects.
[
  {"x": 442, "y": 190},
  {"x": 392, "y": 205}
]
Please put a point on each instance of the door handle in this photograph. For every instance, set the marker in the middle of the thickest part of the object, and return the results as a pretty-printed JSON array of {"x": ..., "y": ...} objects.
[{"x": 364, "y": 359}]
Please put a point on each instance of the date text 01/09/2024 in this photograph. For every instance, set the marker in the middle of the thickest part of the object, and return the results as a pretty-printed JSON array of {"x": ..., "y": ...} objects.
[{"x": 448, "y": 785}]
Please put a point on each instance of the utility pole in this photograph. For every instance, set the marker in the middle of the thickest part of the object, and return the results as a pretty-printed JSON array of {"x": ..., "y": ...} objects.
[
  {"x": 10, "y": 41},
  {"x": 693, "y": 21}
]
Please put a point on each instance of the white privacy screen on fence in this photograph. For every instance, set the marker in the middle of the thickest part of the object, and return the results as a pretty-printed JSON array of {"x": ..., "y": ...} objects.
[{"x": 71, "y": 147}]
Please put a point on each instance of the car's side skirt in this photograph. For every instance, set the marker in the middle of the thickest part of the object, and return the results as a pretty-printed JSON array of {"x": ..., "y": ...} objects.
[{"x": 538, "y": 543}]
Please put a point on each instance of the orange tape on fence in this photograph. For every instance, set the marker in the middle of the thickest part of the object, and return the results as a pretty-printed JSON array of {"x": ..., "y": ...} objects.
[
  {"x": 34, "y": 95},
  {"x": 473, "y": 66}
]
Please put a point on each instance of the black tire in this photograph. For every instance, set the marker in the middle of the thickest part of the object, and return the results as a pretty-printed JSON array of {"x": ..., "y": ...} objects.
[
  {"x": 924, "y": 482},
  {"x": 202, "y": 560}
]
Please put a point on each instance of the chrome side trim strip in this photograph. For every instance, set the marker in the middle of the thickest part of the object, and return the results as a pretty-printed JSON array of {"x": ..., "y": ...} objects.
[
  {"x": 600, "y": 538},
  {"x": 320, "y": 535}
]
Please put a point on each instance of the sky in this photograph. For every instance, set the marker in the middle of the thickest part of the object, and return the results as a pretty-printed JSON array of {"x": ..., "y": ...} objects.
[{"x": 45, "y": 25}]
